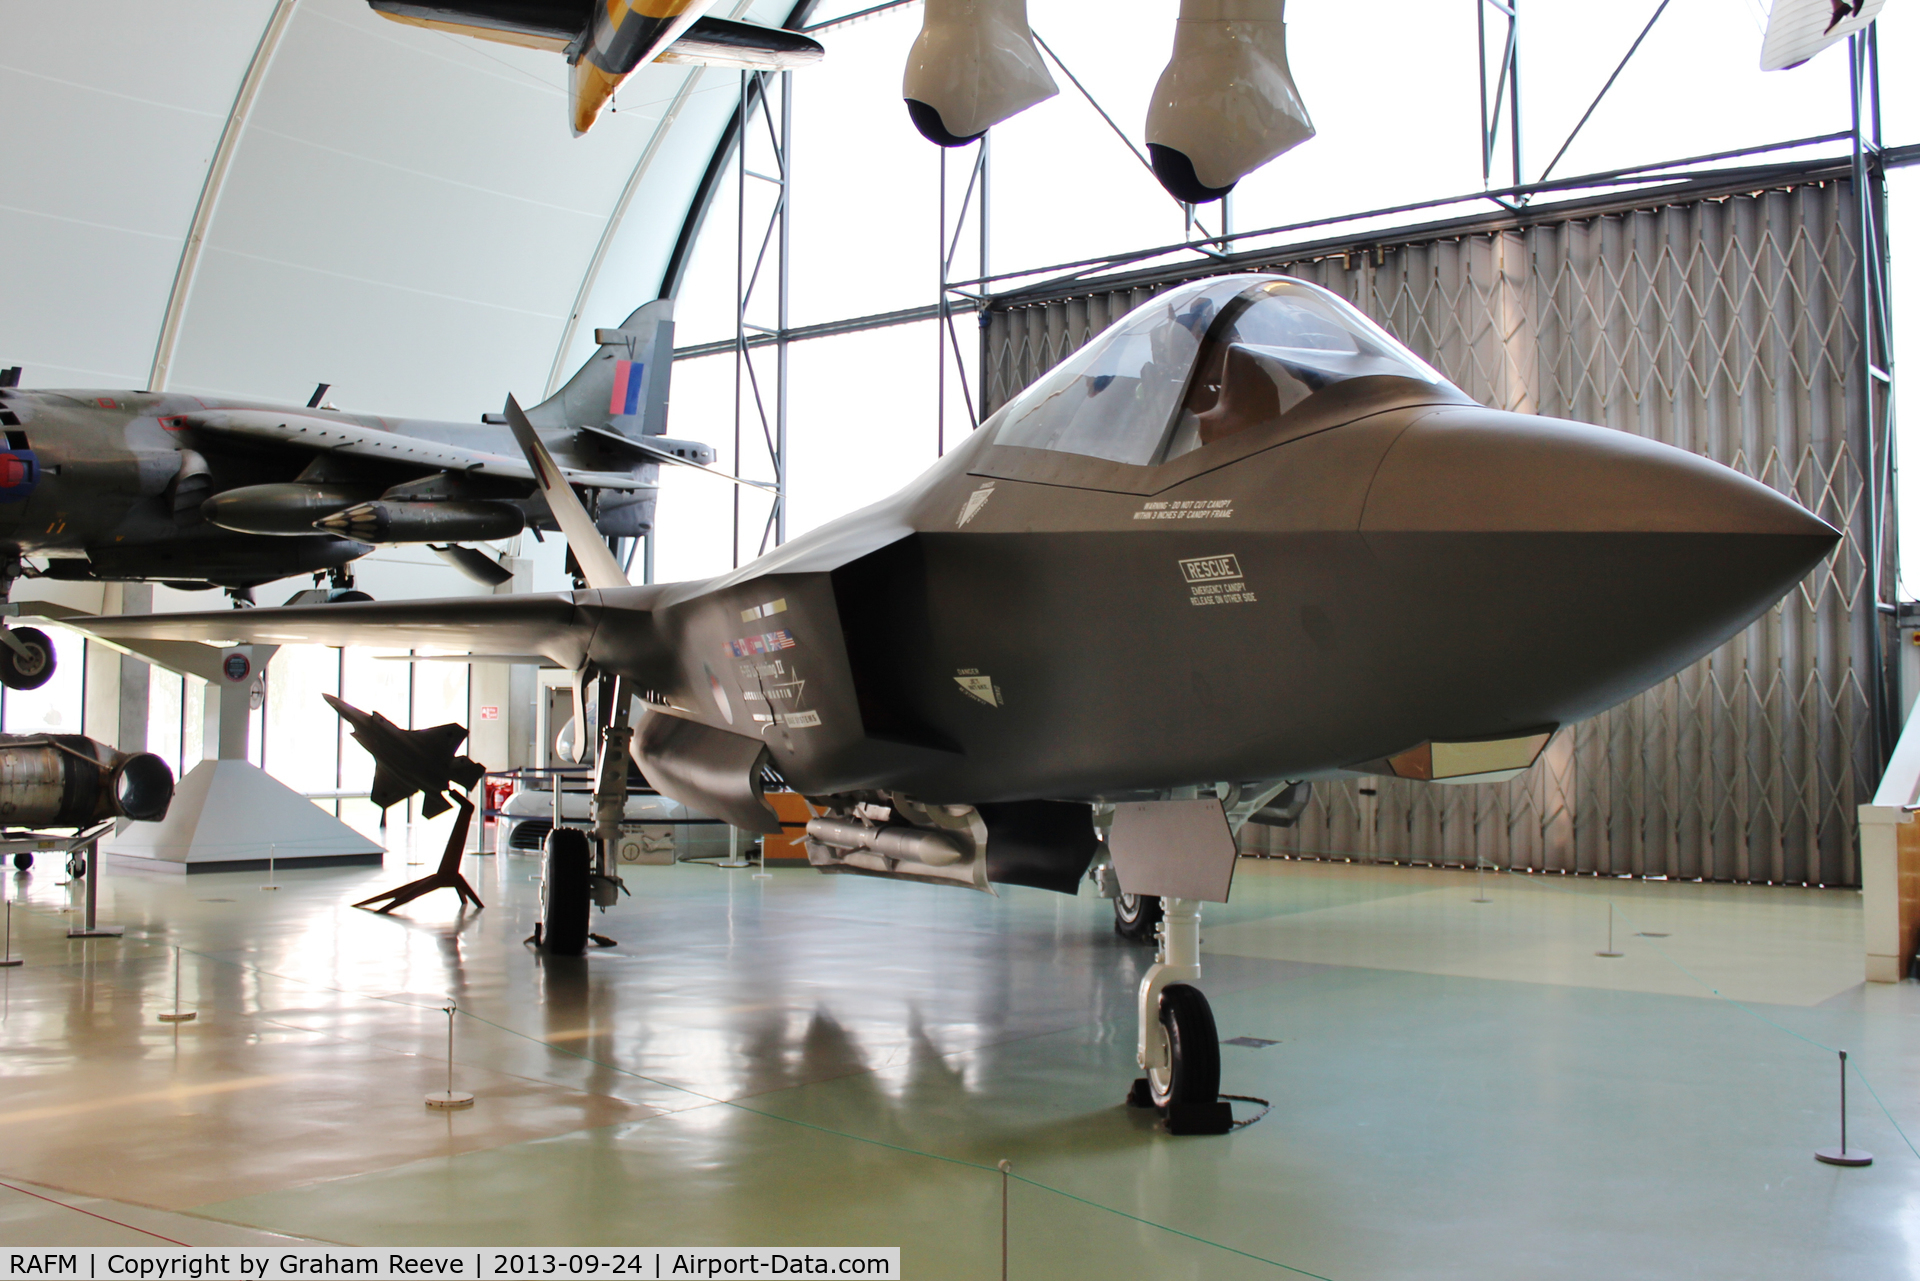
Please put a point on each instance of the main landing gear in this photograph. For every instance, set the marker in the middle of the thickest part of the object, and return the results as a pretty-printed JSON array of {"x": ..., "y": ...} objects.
[
  {"x": 1179, "y": 1045},
  {"x": 1136, "y": 917},
  {"x": 578, "y": 872},
  {"x": 26, "y": 653}
]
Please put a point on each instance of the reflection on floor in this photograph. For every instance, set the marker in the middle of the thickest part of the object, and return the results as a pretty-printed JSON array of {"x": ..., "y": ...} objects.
[{"x": 1460, "y": 1089}]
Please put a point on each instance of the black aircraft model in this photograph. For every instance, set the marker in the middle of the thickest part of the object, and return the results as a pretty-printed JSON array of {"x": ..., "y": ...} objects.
[
  {"x": 426, "y": 761},
  {"x": 119, "y": 486},
  {"x": 1166, "y": 583}
]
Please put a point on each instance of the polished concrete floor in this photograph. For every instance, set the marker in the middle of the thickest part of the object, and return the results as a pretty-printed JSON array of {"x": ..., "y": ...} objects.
[{"x": 1460, "y": 1089}]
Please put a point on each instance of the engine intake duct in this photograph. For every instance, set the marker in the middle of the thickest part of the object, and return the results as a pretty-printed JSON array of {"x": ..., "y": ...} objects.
[{"x": 68, "y": 780}]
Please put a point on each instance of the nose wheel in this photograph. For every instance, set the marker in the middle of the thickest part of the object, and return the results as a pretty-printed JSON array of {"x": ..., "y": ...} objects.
[{"x": 1179, "y": 1044}]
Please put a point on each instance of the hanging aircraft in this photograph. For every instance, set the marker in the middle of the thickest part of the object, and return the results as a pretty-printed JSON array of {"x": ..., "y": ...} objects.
[
  {"x": 604, "y": 43},
  {"x": 1241, "y": 540},
  {"x": 195, "y": 492}
]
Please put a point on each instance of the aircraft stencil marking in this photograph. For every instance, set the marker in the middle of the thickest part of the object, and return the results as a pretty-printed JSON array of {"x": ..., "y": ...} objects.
[
  {"x": 1215, "y": 580},
  {"x": 1187, "y": 509},
  {"x": 975, "y": 501},
  {"x": 979, "y": 688}
]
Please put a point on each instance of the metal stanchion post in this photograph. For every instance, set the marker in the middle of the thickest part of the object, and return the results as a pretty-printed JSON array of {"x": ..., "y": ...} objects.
[
  {"x": 450, "y": 1098},
  {"x": 177, "y": 1016},
  {"x": 1609, "y": 951},
  {"x": 92, "y": 929},
  {"x": 7, "y": 957},
  {"x": 733, "y": 858},
  {"x": 1006, "y": 1180},
  {"x": 1843, "y": 1155},
  {"x": 270, "y": 885}
]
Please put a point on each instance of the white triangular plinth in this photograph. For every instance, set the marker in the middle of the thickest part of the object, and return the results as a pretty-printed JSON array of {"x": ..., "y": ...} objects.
[{"x": 230, "y": 814}]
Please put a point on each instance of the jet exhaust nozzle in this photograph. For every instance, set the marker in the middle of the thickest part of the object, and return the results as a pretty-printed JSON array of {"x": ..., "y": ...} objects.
[
  {"x": 973, "y": 65},
  {"x": 1226, "y": 102},
  {"x": 69, "y": 780}
]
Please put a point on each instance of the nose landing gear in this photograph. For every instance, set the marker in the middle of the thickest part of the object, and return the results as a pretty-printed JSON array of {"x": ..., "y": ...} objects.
[{"x": 1179, "y": 1045}]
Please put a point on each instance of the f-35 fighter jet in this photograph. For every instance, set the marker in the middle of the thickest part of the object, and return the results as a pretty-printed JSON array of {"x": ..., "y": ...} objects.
[
  {"x": 1163, "y": 587},
  {"x": 196, "y": 492}
]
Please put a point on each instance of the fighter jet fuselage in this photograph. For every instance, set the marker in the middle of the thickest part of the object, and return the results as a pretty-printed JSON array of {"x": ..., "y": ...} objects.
[
  {"x": 1431, "y": 572},
  {"x": 130, "y": 485}
]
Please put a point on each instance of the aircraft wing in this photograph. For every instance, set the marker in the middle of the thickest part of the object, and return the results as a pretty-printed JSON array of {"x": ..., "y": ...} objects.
[
  {"x": 532, "y": 24},
  {"x": 335, "y": 435},
  {"x": 718, "y": 42},
  {"x": 551, "y": 625}
]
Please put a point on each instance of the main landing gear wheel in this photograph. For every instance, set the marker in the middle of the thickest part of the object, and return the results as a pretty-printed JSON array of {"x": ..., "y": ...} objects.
[
  {"x": 76, "y": 866},
  {"x": 1187, "y": 1091},
  {"x": 30, "y": 666},
  {"x": 566, "y": 892},
  {"x": 22, "y": 861},
  {"x": 1136, "y": 917}
]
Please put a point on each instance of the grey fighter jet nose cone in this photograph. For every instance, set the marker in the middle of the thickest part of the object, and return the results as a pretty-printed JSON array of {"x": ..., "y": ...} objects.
[{"x": 1563, "y": 567}]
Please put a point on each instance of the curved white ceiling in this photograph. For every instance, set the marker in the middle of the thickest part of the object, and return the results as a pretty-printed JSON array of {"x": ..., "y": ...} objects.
[{"x": 404, "y": 215}]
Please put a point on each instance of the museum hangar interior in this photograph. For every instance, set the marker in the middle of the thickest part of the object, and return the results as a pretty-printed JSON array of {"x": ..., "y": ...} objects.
[{"x": 1284, "y": 658}]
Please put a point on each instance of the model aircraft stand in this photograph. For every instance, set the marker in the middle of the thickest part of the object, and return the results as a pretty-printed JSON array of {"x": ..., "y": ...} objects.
[
  {"x": 88, "y": 838},
  {"x": 446, "y": 877}
]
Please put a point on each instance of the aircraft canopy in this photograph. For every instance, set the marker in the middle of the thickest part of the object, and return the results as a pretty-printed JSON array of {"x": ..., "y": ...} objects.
[{"x": 1199, "y": 363}]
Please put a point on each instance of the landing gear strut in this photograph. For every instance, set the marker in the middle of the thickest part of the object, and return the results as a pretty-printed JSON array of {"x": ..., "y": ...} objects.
[{"x": 1179, "y": 1046}]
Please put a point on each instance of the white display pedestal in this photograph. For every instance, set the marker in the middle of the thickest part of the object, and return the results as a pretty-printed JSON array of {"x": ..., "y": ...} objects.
[{"x": 227, "y": 815}]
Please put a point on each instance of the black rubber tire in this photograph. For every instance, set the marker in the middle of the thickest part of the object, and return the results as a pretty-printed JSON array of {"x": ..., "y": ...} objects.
[
  {"x": 76, "y": 866},
  {"x": 22, "y": 861},
  {"x": 566, "y": 892},
  {"x": 1193, "y": 1044},
  {"x": 27, "y": 673},
  {"x": 1136, "y": 917}
]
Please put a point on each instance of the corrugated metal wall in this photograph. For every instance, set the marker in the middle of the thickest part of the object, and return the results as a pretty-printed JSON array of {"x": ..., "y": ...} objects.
[{"x": 1728, "y": 327}]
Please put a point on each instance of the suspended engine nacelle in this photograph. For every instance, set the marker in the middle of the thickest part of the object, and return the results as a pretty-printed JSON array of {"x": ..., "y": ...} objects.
[
  {"x": 974, "y": 65},
  {"x": 68, "y": 780},
  {"x": 461, "y": 521},
  {"x": 281, "y": 509},
  {"x": 1226, "y": 103}
]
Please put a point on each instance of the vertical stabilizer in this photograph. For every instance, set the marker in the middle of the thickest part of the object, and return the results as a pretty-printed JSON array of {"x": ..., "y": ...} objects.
[{"x": 623, "y": 386}]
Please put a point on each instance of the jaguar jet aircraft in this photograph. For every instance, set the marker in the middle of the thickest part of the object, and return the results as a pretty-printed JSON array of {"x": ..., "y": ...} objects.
[
  {"x": 604, "y": 41},
  {"x": 196, "y": 492},
  {"x": 1164, "y": 583}
]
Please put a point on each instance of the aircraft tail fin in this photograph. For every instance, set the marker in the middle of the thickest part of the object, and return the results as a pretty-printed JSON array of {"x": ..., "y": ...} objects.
[{"x": 623, "y": 386}]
